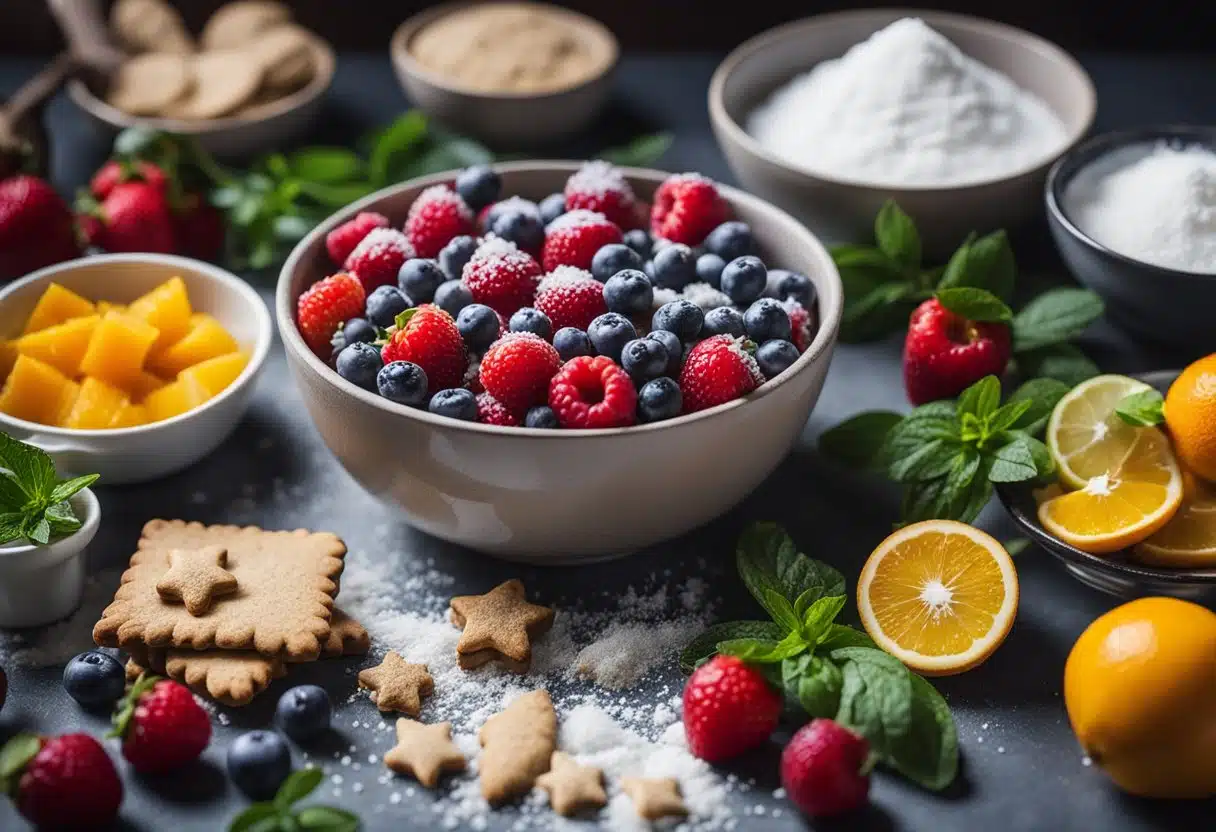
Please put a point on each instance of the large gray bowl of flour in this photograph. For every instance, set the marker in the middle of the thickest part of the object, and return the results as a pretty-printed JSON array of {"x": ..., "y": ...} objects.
[{"x": 953, "y": 129}]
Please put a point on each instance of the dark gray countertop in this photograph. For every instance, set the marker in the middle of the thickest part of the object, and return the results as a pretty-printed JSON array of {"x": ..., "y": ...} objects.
[{"x": 1022, "y": 769}]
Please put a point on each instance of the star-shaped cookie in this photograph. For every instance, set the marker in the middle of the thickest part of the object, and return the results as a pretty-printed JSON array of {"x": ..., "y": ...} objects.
[
  {"x": 571, "y": 787},
  {"x": 499, "y": 626},
  {"x": 424, "y": 751},
  {"x": 397, "y": 685},
  {"x": 195, "y": 577},
  {"x": 655, "y": 798}
]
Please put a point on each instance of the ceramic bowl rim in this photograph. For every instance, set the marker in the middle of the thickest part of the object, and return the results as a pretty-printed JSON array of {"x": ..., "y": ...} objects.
[
  {"x": 991, "y": 29},
  {"x": 88, "y": 529},
  {"x": 829, "y": 309},
  {"x": 255, "y": 308},
  {"x": 401, "y": 56},
  {"x": 1093, "y": 150}
]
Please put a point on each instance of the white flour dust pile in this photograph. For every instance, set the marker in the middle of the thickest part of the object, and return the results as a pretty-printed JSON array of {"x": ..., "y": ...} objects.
[
  {"x": 906, "y": 107},
  {"x": 1157, "y": 206}
]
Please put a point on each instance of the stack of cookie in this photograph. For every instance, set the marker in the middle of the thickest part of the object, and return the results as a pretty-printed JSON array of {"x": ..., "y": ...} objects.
[
  {"x": 249, "y": 54},
  {"x": 226, "y": 610}
]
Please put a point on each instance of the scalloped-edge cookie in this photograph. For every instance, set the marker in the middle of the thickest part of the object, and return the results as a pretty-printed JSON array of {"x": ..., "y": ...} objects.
[
  {"x": 231, "y": 677},
  {"x": 347, "y": 637}
]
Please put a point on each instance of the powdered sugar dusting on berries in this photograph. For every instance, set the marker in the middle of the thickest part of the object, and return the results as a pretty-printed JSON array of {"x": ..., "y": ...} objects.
[
  {"x": 517, "y": 203},
  {"x": 705, "y": 296},
  {"x": 383, "y": 238},
  {"x": 692, "y": 176},
  {"x": 663, "y": 296},
  {"x": 598, "y": 177},
  {"x": 495, "y": 247},
  {"x": 749, "y": 360},
  {"x": 564, "y": 275},
  {"x": 441, "y": 194},
  {"x": 580, "y": 218}
]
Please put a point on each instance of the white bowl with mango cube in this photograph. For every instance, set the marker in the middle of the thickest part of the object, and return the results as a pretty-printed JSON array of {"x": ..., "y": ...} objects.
[{"x": 132, "y": 366}]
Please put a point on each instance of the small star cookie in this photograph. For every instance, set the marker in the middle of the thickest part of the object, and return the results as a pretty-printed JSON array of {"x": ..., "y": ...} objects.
[
  {"x": 195, "y": 577},
  {"x": 397, "y": 685},
  {"x": 655, "y": 798},
  {"x": 571, "y": 787},
  {"x": 424, "y": 751},
  {"x": 499, "y": 626}
]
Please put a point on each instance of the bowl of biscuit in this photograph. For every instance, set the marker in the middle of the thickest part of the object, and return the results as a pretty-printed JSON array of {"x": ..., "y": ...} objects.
[{"x": 250, "y": 80}]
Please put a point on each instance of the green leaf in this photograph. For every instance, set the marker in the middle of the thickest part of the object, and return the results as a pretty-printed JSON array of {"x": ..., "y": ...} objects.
[
  {"x": 897, "y": 236},
  {"x": 32, "y": 468},
  {"x": 1043, "y": 395},
  {"x": 957, "y": 272},
  {"x": 814, "y": 682},
  {"x": 135, "y": 142},
  {"x": 12, "y": 496},
  {"x": 988, "y": 264},
  {"x": 226, "y": 196},
  {"x": 16, "y": 753},
  {"x": 858, "y": 440},
  {"x": 407, "y": 132},
  {"x": 642, "y": 152},
  {"x": 1062, "y": 362},
  {"x": 923, "y": 425},
  {"x": 881, "y": 311},
  {"x": 926, "y": 500},
  {"x": 1007, "y": 416},
  {"x": 1036, "y": 451},
  {"x": 298, "y": 785},
  {"x": 927, "y": 753},
  {"x": 66, "y": 488},
  {"x": 974, "y": 304},
  {"x": 851, "y": 256},
  {"x": 706, "y": 644},
  {"x": 337, "y": 195},
  {"x": 842, "y": 635},
  {"x": 260, "y": 817},
  {"x": 818, "y": 617},
  {"x": 1013, "y": 462},
  {"x": 926, "y": 462},
  {"x": 38, "y": 530},
  {"x": 875, "y": 698},
  {"x": 768, "y": 560},
  {"x": 982, "y": 398},
  {"x": 12, "y": 526},
  {"x": 291, "y": 228},
  {"x": 965, "y": 507},
  {"x": 765, "y": 651},
  {"x": 327, "y": 165},
  {"x": 62, "y": 519},
  {"x": 327, "y": 819},
  {"x": 1143, "y": 409},
  {"x": 1055, "y": 316},
  {"x": 1016, "y": 546},
  {"x": 120, "y": 720},
  {"x": 781, "y": 609}
]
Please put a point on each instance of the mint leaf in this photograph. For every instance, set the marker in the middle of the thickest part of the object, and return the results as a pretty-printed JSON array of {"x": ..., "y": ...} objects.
[
  {"x": 12, "y": 496},
  {"x": 1143, "y": 409},
  {"x": 298, "y": 785},
  {"x": 974, "y": 304},
  {"x": 819, "y": 616},
  {"x": 260, "y": 817},
  {"x": 1013, "y": 462},
  {"x": 404, "y": 134},
  {"x": 1062, "y": 362},
  {"x": 765, "y": 651},
  {"x": 857, "y": 441},
  {"x": 926, "y": 501},
  {"x": 706, "y": 644},
  {"x": 768, "y": 560},
  {"x": 1006, "y": 416},
  {"x": 928, "y": 423},
  {"x": 62, "y": 519},
  {"x": 12, "y": 526},
  {"x": 16, "y": 753},
  {"x": 875, "y": 697},
  {"x": 958, "y": 272},
  {"x": 897, "y": 235},
  {"x": 981, "y": 399},
  {"x": 326, "y": 819},
  {"x": 842, "y": 635},
  {"x": 850, "y": 256},
  {"x": 927, "y": 752},
  {"x": 326, "y": 165},
  {"x": 781, "y": 609},
  {"x": 65, "y": 489},
  {"x": 1016, "y": 546},
  {"x": 927, "y": 462},
  {"x": 38, "y": 529},
  {"x": 814, "y": 682},
  {"x": 877, "y": 313},
  {"x": 984, "y": 263},
  {"x": 32, "y": 468},
  {"x": 965, "y": 507},
  {"x": 1055, "y": 316},
  {"x": 642, "y": 152},
  {"x": 1043, "y": 395}
]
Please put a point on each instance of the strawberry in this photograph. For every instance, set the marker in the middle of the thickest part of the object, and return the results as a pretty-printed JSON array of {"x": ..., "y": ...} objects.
[
  {"x": 717, "y": 370},
  {"x": 601, "y": 187},
  {"x": 945, "y": 353},
  {"x": 36, "y": 227},
  {"x": 490, "y": 411},
  {"x": 825, "y": 769},
  {"x": 161, "y": 725},
  {"x": 573, "y": 239},
  {"x": 427, "y": 336},
  {"x": 64, "y": 782},
  {"x": 593, "y": 392},
  {"x": 571, "y": 297},
  {"x": 115, "y": 172},
  {"x": 516, "y": 370},
  {"x": 686, "y": 208},
  {"x": 135, "y": 216},
  {"x": 729, "y": 708},
  {"x": 436, "y": 217},
  {"x": 198, "y": 229},
  {"x": 502, "y": 277},
  {"x": 342, "y": 240},
  {"x": 325, "y": 306},
  {"x": 802, "y": 333},
  {"x": 378, "y": 258}
]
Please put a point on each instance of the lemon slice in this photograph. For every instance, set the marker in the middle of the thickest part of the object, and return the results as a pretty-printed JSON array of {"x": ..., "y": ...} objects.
[
  {"x": 938, "y": 595},
  {"x": 1085, "y": 436},
  {"x": 1189, "y": 539}
]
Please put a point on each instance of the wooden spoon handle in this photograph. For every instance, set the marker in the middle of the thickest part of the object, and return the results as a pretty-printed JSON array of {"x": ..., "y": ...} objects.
[
  {"x": 38, "y": 89},
  {"x": 84, "y": 27}
]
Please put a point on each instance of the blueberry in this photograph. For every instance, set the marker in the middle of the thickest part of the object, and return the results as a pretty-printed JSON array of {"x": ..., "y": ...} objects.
[
  {"x": 552, "y": 207},
  {"x": 95, "y": 680},
  {"x": 648, "y": 269},
  {"x": 358, "y": 364},
  {"x": 613, "y": 258},
  {"x": 455, "y": 403},
  {"x": 452, "y": 258},
  {"x": 787, "y": 284},
  {"x": 479, "y": 326},
  {"x": 644, "y": 359},
  {"x": 419, "y": 278},
  {"x": 531, "y": 320},
  {"x": 402, "y": 382},
  {"x": 675, "y": 349},
  {"x": 520, "y": 227},
  {"x": 384, "y": 304},
  {"x": 683, "y": 317},
  {"x": 358, "y": 331},
  {"x": 628, "y": 291},
  {"x": 675, "y": 266},
  {"x": 775, "y": 357},
  {"x": 609, "y": 333},
  {"x": 571, "y": 343},
  {"x": 638, "y": 240},
  {"x": 478, "y": 186},
  {"x": 709, "y": 269},
  {"x": 453, "y": 296},
  {"x": 303, "y": 712},
  {"x": 765, "y": 320},
  {"x": 657, "y": 244},
  {"x": 730, "y": 240},
  {"x": 744, "y": 279},
  {"x": 258, "y": 763},
  {"x": 659, "y": 399},
  {"x": 541, "y": 417},
  {"x": 515, "y": 203},
  {"x": 725, "y": 320}
]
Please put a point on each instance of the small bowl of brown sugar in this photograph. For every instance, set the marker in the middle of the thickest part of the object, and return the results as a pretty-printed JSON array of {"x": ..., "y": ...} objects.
[{"x": 510, "y": 74}]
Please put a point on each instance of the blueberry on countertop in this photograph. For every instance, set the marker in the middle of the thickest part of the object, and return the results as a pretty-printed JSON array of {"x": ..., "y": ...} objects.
[
  {"x": 303, "y": 712},
  {"x": 571, "y": 343},
  {"x": 731, "y": 239},
  {"x": 478, "y": 186},
  {"x": 453, "y": 296},
  {"x": 359, "y": 364},
  {"x": 96, "y": 680},
  {"x": 552, "y": 207},
  {"x": 775, "y": 357},
  {"x": 724, "y": 320},
  {"x": 613, "y": 258},
  {"x": 455, "y": 403},
  {"x": 384, "y": 304},
  {"x": 767, "y": 320},
  {"x": 609, "y": 333},
  {"x": 258, "y": 763},
  {"x": 452, "y": 258},
  {"x": 531, "y": 320},
  {"x": 419, "y": 278},
  {"x": 479, "y": 326},
  {"x": 682, "y": 317},
  {"x": 402, "y": 382},
  {"x": 541, "y": 417},
  {"x": 675, "y": 266},
  {"x": 659, "y": 399},
  {"x": 628, "y": 291}
]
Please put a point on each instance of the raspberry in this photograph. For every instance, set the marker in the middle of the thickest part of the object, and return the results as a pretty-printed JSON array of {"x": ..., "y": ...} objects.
[
  {"x": 378, "y": 258},
  {"x": 800, "y": 324},
  {"x": 65, "y": 782},
  {"x": 571, "y": 297},
  {"x": 342, "y": 240},
  {"x": 517, "y": 368},
  {"x": 162, "y": 726},
  {"x": 502, "y": 277},
  {"x": 437, "y": 216},
  {"x": 729, "y": 708},
  {"x": 825, "y": 769},
  {"x": 601, "y": 187},
  {"x": 717, "y": 370},
  {"x": 490, "y": 411},
  {"x": 686, "y": 208},
  {"x": 593, "y": 393},
  {"x": 573, "y": 239},
  {"x": 427, "y": 336},
  {"x": 325, "y": 306}
]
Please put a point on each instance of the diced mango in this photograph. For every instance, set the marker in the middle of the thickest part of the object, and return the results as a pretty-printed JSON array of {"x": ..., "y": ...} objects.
[
  {"x": 62, "y": 345},
  {"x": 215, "y": 374},
  {"x": 8, "y": 355},
  {"x": 117, "y": 349},
  {"x": 144, "y": 385},
  {"x": 57, "y": 305},
  {"x": 129, "y": 416},
  {"x": 167, "y": 307},
  {"x": 174, "y": 399},
  {"x": 37, "y": 392},
  {"x": 104, "y": 307},
  {"x": 97, "y": 406},
  {"x": 206, "y": 339}
]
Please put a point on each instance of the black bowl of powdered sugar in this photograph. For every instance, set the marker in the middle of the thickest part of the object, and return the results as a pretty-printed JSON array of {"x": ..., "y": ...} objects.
[{"x": 1133, "y": 214}]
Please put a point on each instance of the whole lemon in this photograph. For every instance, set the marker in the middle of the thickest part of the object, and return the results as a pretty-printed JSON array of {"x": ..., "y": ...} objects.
[
  {"x": 1190, "y": 416},
  {"x": 1140, "y": 688}
]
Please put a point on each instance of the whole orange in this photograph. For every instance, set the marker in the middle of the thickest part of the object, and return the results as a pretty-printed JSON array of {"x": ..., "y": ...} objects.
[{"x": 1190, "y": 416}]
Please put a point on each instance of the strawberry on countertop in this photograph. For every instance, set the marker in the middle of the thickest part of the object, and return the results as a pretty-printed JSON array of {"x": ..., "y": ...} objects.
[
  {"x": 729, "y": 708},
  {"x": 944, "y": 353},
  {"x": 161, "y": 725},
  {"x": 36, "y": 227},
  {"x": 134, "y": 217},
  {"x": 62, "y": 783}
]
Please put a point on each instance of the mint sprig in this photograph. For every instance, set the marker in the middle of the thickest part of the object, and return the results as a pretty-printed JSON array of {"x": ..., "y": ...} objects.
[
  {"x": 829, "y": 669},
  {"x": 1143, "y": 409},
  {"x": 280, "y": 814},
  {"x": 33, "y": 500}
]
